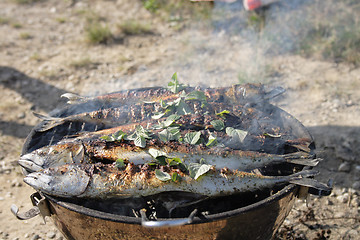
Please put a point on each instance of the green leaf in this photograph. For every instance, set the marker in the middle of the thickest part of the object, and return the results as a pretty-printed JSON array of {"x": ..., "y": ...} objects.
[
  {"x": 174, "y": 85},
  {"x": 168, "y": 122},
  {"x": 155, "y": 153},
  {"x": 272, "y": 135},
  {"x": 140, "y": 131},
  {"x": 139, "y": 136},
  {"x": 212, "y": 141},
  {"x": 140, "y": 141},
  {"x": 162, "y": 176},
  {"x": 182, "y": 108},
  {"x": 171, "y": 119},
  {"x": 196, "y": 95},
  {"x": 192, "y": 137},
  {"x": 120, "y": 163},
  {"x": 223, "y": 113},
  {"x": 178, "y": 163},
  {"x": 196, "y": 170},
  {"x": 108, "y": 138},
  {"x": 171, "y": 133},
  {"x": 237, "y": 134},
  {"x": 175, "y": 177},
  {"x": 218, "y": 125},
  {"x": 159, "y": 156},
  {"x": 119, "y": 135},
  {"x": 158, "y": 115}
]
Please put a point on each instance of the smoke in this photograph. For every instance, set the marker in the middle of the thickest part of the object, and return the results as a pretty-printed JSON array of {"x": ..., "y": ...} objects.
[{"x": 235, "y": 46}]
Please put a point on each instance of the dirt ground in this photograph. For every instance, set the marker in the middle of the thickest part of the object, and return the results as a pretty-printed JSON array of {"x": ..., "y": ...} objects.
[{"x": 43, "y": 54}]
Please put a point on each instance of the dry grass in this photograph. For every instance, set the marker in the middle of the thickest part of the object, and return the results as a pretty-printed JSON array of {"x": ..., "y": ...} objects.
[
  {"x": 335, "y": 34},
  {"x": 134, "y": 27}
]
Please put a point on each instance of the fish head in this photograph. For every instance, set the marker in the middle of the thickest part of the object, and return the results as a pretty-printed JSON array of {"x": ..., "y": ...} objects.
[
  {"x": 64, "y": 181},
  {"x": 31, "y": 162},
  {"x": 51, "y": 157}
]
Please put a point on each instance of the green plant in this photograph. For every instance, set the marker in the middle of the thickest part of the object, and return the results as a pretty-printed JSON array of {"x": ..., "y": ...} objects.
[
  {"x": 4, "y": 20},
  {"x": 81, "y": 63},
  {"x": 133, "y": 27},
  {"x": 16, "y": 25},
  {"x": 25, "y": 35},
  {"x": 345, "y": 46},
  {"x": 61, "y": 20},
  {"x": 151, "y": 5},
  {"x": 36, "y": 57},
  {"x": 97, "y": 33},
  {"x": 256, "y": 20},
  {"x": 179, "y": 10},
  {"x": 26, "y": 1}
]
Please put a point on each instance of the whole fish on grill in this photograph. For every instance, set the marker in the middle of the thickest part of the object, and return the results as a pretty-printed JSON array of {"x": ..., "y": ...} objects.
[
  {"x": 251, "y": 93},
  {"x": 95, "y": 149},
  {"x": 108, "y": 181}
]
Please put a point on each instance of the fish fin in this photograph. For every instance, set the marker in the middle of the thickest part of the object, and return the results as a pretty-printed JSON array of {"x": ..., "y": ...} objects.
[
  {"x": 305, "y": 162},
  {"x": 274, "y": 93},
  {"x": 303, "y": 174},
  {"x": 321, "y": 188},
  {"x": 44, "y": 117},
  {"x": 73, "y": 98},
  {"x": 49, "y": 122}
]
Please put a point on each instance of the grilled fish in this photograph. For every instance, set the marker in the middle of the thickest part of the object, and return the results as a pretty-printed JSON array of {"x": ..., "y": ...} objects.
[
  {"x": 107, "y": 181},
  {"x": 234, "y": 94},
  {"x": 109, "y": 117},
  {"x": 97, "y": 150}
]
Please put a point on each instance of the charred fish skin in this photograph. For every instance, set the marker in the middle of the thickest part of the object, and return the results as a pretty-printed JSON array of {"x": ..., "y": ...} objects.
[{"x": 110, "y": 182}]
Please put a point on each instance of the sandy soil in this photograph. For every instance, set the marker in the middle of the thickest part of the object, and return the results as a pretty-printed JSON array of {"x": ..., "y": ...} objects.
[{"x": 41, "y": 43}]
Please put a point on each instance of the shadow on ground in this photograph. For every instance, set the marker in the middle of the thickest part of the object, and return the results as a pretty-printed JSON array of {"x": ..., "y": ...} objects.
[
  {"x": 337, "y": 144},
  {"x": 43, "y": 96}
]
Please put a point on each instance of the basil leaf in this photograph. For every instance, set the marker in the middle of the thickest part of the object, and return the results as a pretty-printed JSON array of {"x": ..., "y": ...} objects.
[
  {"x": 140, "y": 131},
  {"x": 196, "y": 170},
  {"x": 140, "y": 141},
  {"x": 171, "y": 133},
  {"x": 120, "y": 163},
  {"x": 178, "y": 163},
  {"x": 192, "y": 137},
  {"x": 158, "y": 115},
  {"x": 175, "y": 177},
  {"x": 170, "y": 120},
  {"x": 174, "y": 85},
  {"x": 237, "y": 134},
  {"x": 212, "y": 141},
  {"x": 196, "y": 95},
  {"x": 119, "y": 135},
  {"x": 162, "y": 176},
  {"x": 272, "y": 135},
  {"x": 218, "y": 125},
  {"x": 108, "y": 138},
  {"x": 155, "y": 153},
  {"x": 182, "y": 108},
  {"x": 223, "y": 113}
]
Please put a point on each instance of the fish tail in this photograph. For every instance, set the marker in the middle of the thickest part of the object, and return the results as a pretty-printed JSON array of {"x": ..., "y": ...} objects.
[
  {"x": 321, "y": 188},
  {"x": 301, "y": 178},
  {"x": 302, "y": 174},
  {"x": 49, "y": 122}
]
